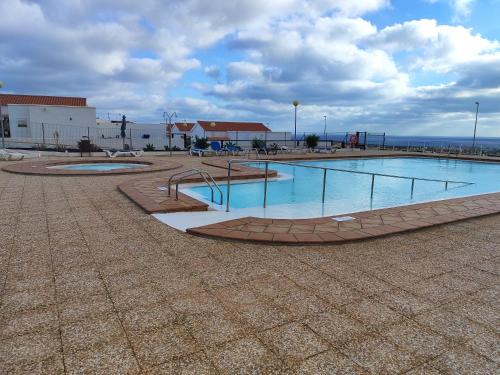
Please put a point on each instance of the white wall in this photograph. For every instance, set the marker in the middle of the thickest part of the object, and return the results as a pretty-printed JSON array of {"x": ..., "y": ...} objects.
[{"x": 52, "y": 117}]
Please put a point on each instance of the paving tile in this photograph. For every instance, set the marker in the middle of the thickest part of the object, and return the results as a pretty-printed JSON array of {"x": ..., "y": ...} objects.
[
  {"x": 372, "y": 313},
  {"x": 478, "y": 312},
  {"x": 336, "y": 327},
  {"x": 29, "y": 321},
  {"x": 263, "y": 315},
  {"x": 486, "y": 344},
  {"x": 416, "y": 339},
  {"x": 293, "y": 342},
  {"x": 453, "y": 326},
  {"x": 329, "y": 363},
  {"x": 196, "y": 363},
  {"x": 162, "y": 345},
  {"x": 86, "y": 307},
  {"x": 379, "y": 356},
  {"x": 403, "y": 302},
  {"x": 142, "y": 319},
  {"x": 213, "y": 329},
  {"x": 245, "y": 356},
  {"x": 88, "y": 333},
  {"x": 105, "y": 359},
  {"x": 19, "y": 351},
  {"x": 460, "y": 361},
  {"x": 52, "y": 365}
]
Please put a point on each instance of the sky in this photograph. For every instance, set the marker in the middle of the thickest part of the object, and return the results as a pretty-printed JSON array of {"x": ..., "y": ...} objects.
[{"x": 404, "y": 67}]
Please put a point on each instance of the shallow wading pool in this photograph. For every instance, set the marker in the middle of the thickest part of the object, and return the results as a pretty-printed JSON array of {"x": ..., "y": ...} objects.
[
  {"x": 297, "y": 192},
  {"x": 98, "y": 166}
]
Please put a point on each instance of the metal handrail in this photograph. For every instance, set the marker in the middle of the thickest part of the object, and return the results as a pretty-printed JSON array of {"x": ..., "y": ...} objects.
[
  {"x": 205, "y": 175},
  {"x": 325, "y": 169}
]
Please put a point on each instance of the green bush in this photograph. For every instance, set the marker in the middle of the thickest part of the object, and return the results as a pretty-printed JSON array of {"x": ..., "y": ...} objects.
[
  {"x": 258, "y": 143},
  {"x": 201, "y": 143},
  {"x": 149, "y": 147},
  {"x": 312, "y": 140}
]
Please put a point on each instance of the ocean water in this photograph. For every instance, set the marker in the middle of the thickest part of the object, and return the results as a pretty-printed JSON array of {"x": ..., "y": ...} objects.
[
  {"x": 392, "y": 140},
  {"x": 417, "y": 141}
]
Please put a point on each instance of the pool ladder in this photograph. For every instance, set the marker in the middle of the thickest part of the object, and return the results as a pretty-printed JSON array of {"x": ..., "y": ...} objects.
[{"x": 207, "y": 177}]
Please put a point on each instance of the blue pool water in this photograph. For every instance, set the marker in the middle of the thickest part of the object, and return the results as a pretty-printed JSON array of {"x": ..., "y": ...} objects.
[
  {"x": 100, "y": 166},
  {"x": 301, "y": 188}
]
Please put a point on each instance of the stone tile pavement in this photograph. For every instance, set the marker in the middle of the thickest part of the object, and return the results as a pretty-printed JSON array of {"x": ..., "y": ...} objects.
[{"x": 89, "y": 283}]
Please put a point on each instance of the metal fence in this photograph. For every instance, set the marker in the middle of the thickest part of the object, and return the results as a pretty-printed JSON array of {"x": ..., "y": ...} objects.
[{"x": 61, "y": 137}]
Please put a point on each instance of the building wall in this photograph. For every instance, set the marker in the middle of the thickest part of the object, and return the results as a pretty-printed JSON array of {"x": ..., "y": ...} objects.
[{"x": 26, "y": 121}]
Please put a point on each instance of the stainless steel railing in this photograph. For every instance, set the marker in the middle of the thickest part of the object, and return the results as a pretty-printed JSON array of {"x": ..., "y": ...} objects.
[
  {"x": 207, "y": 177},
  {"x": 325, "y": 170}
]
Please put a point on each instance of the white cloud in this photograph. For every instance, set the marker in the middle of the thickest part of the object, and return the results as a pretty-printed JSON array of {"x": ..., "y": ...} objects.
[
  {"x": 127, "y": 56},
  {"x": 462, "y": 8}
]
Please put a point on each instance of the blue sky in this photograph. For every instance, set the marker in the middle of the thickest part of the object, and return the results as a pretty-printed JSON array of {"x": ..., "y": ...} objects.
[{"x": 403, "y": 67}]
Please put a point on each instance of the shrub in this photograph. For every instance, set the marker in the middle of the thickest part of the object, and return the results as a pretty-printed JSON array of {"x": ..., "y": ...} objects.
[
  {"x": 201, "y": 143},
  {"x": 258, "y": 143},
  {"x": 84, "y": 145},
  {"x": 149, "y": 147},
  {"x": 312, "y": 140}
]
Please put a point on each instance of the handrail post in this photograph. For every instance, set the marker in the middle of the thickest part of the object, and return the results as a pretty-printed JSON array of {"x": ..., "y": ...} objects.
[
  {"x": 324, "y": 186},
  {"x": 446, "y": 185},
  {"x": 412, "y": 186},
  {"x": 265, "y": 184},
  {"x": 373, "y": 184},
  {"x": 228, "y": 185}
]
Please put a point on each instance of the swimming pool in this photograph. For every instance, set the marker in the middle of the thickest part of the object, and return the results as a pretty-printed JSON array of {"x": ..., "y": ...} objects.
[
  {"x": 99, "y": 166},
  {"x": 298, "y": 190}
]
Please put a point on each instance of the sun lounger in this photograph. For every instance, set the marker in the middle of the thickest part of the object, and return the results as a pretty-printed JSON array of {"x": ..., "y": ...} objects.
[
  {"x": 10, "y": 156},
  {"x": 114, "y": 154},
  {"x": 233, "y": 149},
  {"x": 200, "y": 152},
  {"x": 217, "y": 148}
]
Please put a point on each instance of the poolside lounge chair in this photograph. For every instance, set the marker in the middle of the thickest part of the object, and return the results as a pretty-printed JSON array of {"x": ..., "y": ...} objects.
[
  {"x": 199, "y": 151},
  {"x": 114, "y": 154},
  {"x": 217, "y": 148},
  {"x": 10, "y": 156},
  {"x": 233, "y": 149}
]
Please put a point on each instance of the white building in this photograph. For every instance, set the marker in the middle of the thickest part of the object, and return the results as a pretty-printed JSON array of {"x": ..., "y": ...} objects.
[
  {"x": 240, "y": 133},
  {"x": 36, "y": 119}
]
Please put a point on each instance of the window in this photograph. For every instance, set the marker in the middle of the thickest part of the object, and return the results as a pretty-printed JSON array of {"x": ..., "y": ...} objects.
[{"x": 22, "y": 124}]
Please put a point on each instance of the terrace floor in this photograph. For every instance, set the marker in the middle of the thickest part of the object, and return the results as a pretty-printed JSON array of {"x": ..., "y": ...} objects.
[{"x": 89, "y": 283}]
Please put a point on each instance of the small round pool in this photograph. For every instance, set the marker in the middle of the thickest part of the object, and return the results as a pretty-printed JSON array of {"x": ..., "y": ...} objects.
[{"x": 98, "y": 166}]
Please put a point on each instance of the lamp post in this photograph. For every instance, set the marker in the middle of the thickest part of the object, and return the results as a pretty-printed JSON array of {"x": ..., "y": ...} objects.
[
  {"x": 1, "y": 121},
  {"x": 296, "y": 104},
  {"x": 168, "y": 123},
  {"x": 475, "y": 126},
  {"x": 324, "y": 132}
]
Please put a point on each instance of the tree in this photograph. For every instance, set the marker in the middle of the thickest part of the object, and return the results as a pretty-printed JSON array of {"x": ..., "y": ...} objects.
[
  {"x": 201, "y": 143},
  {"x": 312, "y": 140}
]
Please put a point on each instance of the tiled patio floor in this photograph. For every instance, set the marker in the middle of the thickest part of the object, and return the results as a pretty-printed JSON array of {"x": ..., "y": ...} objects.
[
  {"x": 364, "y": 225},
  {"x": 91, "y": 284}
]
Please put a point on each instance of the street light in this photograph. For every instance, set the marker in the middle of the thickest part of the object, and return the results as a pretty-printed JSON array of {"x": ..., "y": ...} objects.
[
  {"x": 296, "y": 104},
  {"x": 326, "y": 142},
  {"x": 169, "y": 116},
  {"x": 1, "y": 121},
  {"x": 475, "y": 126}
]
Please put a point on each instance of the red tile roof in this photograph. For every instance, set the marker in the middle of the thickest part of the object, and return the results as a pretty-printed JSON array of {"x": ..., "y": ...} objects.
[
  {"x": 42, "y": 100},
  {"x": 224, "y": 126},
  {"x": 184, "y": 126}
]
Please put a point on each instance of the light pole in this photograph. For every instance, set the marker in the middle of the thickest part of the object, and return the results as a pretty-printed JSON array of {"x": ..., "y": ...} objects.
[
  {"x": 475, "y": 126},
  {"x": 1, "y": 121},
  {"x": 169, "y": 116},
  {"x": 326, "y": 142},
  {"x": 296, "y": 104}
]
